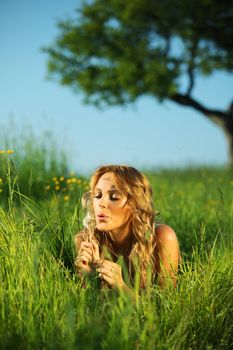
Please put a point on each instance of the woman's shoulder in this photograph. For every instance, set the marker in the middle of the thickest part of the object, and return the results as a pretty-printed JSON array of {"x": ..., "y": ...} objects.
[{"x": 164, "y": 233}]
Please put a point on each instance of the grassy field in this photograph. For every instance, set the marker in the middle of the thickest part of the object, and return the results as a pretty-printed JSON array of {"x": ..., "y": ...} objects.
[{"x": 42, "y": 305}]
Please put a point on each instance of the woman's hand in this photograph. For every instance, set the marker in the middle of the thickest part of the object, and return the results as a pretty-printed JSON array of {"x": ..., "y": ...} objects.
[
  {"x": 84, "y": 258},
  {"x": 110, "y": 272},
  {"x": 88, "y": 252}
]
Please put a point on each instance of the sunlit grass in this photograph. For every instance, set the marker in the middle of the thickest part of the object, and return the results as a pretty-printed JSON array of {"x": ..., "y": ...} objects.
[{"x": 42, "y": 304}]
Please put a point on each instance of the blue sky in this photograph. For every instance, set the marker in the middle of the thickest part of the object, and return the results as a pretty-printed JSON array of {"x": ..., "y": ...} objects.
[{"x": 146, "y": 134}]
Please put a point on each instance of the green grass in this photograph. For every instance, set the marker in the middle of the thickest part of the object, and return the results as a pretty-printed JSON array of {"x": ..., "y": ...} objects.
[{"x": 42, "y": 305}]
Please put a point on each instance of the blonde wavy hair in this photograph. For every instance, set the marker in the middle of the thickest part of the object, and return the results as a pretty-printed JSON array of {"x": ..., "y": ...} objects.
[{"x": 139, "y": 192}]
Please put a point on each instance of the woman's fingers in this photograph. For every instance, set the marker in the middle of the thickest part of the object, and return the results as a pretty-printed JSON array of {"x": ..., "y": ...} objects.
[
  {"x": 81, "y": 263},
  {"x": 86, "y": 255},
  {"x": 81, "y": 259},
  {"x": 95, "y": 247},
  {"x": 110, "y": 272},
  {"x": 86, "y": 248},
  {"x": 92, "y": 247},
  {"x": 85, "y": 243},
  {"x": 105, "y": 272},
  {"x": 104, "y": 263},
  {"x": 88, "y": 252},
  {"x": 107, "y": 279},
  {"x": 109, "y": 276}
]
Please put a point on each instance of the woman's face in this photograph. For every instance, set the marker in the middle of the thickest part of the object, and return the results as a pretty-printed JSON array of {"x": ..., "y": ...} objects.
[{"x": 111, "y": 210}]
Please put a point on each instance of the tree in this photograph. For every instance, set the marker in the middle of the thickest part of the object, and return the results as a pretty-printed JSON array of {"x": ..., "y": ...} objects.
[{"x": 118, "y": 50}]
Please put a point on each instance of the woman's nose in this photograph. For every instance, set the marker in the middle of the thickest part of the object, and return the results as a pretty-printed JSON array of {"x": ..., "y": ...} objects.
[{"x": 103, "y": 202}]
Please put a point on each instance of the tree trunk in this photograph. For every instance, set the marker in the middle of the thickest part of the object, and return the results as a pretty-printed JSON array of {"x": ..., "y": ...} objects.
[
  {"x": 223, "y": 119},
  {"x": 228, "y": 130}
]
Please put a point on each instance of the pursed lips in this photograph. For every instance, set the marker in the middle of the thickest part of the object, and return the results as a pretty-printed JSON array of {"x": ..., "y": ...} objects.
[{"x": 102, "y": 216}]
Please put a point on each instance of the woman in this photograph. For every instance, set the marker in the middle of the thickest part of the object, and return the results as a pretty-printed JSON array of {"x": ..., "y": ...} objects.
[{"x": 120, "y": 221}]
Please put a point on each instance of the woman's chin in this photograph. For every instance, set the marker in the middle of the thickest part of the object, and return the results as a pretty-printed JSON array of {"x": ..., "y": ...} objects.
[{"x": 102, "y": 226}]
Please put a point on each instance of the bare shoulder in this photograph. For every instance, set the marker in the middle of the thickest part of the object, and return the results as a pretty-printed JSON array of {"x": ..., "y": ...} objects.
[
  {"x": 167, "y": 254},
  {"x": 165, "y": 234}
]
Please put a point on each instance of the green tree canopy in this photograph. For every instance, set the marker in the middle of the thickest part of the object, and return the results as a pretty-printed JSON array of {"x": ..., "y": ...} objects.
[{"x": 116, "y": 51}]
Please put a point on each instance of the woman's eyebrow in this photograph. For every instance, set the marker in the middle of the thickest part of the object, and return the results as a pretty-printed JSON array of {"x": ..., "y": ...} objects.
[{"x": 113, "y": 189}]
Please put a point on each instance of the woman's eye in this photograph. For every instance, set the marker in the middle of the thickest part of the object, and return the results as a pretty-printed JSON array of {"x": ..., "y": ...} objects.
[{"x": 113, "y": 198}]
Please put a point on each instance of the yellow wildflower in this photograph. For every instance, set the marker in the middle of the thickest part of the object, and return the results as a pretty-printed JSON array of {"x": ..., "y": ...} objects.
[
  {"x": 56, "y": 182},
  {"x": 78, "y": 181},
  {"x": 73, "y": 180},
  {"x": 1, "y": 190},
  {"x": 10, "y": 151},
  {"x": 1, "y": 180},
  {"x": 66, "y": 198},
  {"x": 62, "y": 178},
  {"x": 54, "y": 178},
  {"x": 47, "y": 187},
  {"x": 69, "y": 181},
  {"x": 57, "y": 188},
  {"x": 2, "y": 151}
]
